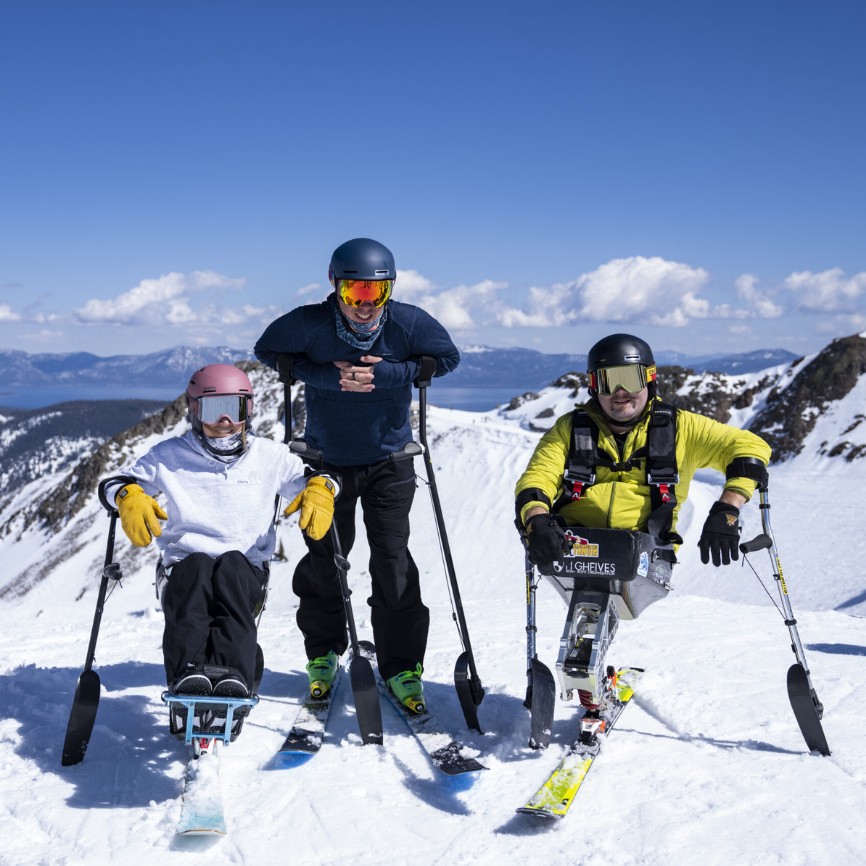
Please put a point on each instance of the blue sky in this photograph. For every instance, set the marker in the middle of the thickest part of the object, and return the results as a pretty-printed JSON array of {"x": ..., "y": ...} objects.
[{"x": 545, "y": 173}]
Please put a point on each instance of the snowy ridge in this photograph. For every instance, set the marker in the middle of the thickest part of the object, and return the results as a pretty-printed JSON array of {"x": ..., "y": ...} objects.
[{"x": 707, "y": 768}]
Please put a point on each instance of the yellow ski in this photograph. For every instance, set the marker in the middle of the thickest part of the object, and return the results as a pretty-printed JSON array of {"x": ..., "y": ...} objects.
[{"x": 554, "y": 797}]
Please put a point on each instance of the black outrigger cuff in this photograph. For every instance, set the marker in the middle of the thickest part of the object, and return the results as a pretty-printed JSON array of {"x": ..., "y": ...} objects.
[
  {"x": 746, "y": 467},
  {"x": 530, "y": 494}
]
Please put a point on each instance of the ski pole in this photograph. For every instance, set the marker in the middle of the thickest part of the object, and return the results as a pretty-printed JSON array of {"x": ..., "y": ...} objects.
[
  {"x": 807, "y": 708},
  {"x": 82, "y": 715},
  {"x": 469, "y": 690},
  {"x": 364, "y": 691}
]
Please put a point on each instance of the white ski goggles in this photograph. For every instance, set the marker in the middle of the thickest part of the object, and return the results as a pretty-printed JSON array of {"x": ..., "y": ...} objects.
[
  {"x": 232, "y": 406},
  {"x": 630, "y": 377}
]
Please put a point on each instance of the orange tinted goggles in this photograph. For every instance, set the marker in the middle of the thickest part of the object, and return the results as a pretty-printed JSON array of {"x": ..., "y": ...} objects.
[{"x": 357, "y": 292}]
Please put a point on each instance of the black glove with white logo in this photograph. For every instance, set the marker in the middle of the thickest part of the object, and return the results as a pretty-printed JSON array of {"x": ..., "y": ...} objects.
[
  {"x": 721, "y": 534},
  {"x": 545, "y": 537}
]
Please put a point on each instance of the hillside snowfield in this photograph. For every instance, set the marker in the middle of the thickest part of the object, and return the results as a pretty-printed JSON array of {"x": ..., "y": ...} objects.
[{"x": 708, "y": 766}]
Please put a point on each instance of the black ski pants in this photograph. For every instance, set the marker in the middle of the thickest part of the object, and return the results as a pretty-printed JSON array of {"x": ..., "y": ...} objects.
[
  {"x": 400, "y": 620},
  {"x": 209, "y": 605}
]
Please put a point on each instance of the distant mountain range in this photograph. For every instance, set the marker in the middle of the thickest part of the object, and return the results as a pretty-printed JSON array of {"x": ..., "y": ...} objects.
[
  {"x": 51, "y": 459},
  {"x": 480, "y": 367}
]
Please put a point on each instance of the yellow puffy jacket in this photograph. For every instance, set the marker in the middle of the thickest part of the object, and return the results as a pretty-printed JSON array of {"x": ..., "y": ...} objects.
[{"x": 621, "y": 500}]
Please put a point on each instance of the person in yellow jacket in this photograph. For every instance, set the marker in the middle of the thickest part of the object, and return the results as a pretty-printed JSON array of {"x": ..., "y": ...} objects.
[
  {"x": 622, "y": 374},
  {"x": 623, "y": 461}
]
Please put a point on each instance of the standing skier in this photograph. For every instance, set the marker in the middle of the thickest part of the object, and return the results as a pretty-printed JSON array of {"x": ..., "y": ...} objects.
[
  {"x": 625, "y": 460},
  {"x": 357, "y": 353},
  {"x": 220, "y": 483}
]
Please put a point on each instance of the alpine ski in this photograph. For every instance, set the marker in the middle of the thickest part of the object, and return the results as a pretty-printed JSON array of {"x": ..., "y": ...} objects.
[
  {"x": 443, "y": 750},
  {"x": 555, "y": 796},
  {"x": 201, "y": 811},
  {"x": 308, "y": 731}
]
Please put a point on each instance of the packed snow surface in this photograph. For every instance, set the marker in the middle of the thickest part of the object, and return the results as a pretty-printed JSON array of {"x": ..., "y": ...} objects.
[{"x": 706, "y": 767}]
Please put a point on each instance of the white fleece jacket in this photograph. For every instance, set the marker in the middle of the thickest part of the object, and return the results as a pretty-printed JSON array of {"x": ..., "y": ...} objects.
[{"x": 214, "y": 507}]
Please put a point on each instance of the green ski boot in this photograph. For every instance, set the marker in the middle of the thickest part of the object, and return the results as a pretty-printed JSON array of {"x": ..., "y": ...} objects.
[
  {"x": 321, "y": 672},
  {"x": 408, "y": 689}
]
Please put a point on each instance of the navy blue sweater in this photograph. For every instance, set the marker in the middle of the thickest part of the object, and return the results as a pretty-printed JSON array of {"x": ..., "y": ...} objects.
[{"x": 356, "y": 429}]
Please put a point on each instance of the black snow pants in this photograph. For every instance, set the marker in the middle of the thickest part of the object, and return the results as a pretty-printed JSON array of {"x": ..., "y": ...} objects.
[
  {"x": 400, "y": 620},
  {"x": 209, "y": 605}
]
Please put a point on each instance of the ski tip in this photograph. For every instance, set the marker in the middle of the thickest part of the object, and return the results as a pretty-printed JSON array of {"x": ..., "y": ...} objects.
[
  {"x": 287, "y": 760},
  {"x": 544, "y": 814},
  {"x": 203, "y": 832}
]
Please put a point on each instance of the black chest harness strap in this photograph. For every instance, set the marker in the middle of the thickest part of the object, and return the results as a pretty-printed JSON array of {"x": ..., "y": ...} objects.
[{"x": 660, "y": 459}]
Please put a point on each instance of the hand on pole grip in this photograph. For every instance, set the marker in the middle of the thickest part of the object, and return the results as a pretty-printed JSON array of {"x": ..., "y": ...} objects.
[
  {"x": 721, "y": 534},
  {"x": 426, "y": 371},
  {"x": 285, "y": 362},
  {"x": 545, "y": 537},
  {"x": 139, "y": 515}
]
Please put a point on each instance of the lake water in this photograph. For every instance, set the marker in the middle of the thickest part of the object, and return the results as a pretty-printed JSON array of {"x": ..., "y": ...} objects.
[{"x": 468, "y": 399}]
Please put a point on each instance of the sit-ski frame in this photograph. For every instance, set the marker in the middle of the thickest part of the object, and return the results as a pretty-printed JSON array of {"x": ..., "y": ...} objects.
[{"x": 191, "y": 701}]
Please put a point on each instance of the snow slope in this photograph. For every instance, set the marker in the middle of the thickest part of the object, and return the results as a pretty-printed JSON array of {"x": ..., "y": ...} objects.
[{"x": 708, "y": 767}]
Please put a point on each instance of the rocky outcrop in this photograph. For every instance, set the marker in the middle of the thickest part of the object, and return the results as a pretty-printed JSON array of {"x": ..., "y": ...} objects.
[{"x": 806, "y": 391}]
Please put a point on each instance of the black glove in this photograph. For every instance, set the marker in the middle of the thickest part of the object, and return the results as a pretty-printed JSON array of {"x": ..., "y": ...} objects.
[
  {"x": 545, "y": 537},
  {"x": 721, "y": 534},
  {"x": 284, "y": 368}
]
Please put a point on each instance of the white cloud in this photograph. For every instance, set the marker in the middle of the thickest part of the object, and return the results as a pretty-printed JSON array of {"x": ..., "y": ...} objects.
[
  {"x": 852, "y": 323},
  {"x": 746, "y": 287},
  {"x": 456, "y": 309},
  {"x": 637, "y": 289},
  {"x": 828, "y": 291},
  {"x": 411, "y": 287},
  {"x": 163, "y": 300},
  {"x": 7, "y": 315},
  {"x": 546, "y": 307}
]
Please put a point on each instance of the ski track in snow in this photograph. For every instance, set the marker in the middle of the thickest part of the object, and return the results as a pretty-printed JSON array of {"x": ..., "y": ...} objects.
[{"x": 706, "y": 767}]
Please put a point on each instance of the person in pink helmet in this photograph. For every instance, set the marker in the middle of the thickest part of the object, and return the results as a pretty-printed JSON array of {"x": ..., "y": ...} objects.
[{"x": 215, "y": 532}]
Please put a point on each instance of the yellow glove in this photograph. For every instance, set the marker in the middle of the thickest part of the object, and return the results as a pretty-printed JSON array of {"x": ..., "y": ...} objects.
[
  {"x": 138, "y": 515},
  {"x": 316, "y": 502}
]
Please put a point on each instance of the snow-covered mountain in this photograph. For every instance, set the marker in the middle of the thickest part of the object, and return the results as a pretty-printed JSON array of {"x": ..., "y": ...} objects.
[
  {"x": 36, "y": 441},
  {"x": 708, "y": 767},
  {"x": 157, "y": 369},
  {"x": 480, "y": 367}
]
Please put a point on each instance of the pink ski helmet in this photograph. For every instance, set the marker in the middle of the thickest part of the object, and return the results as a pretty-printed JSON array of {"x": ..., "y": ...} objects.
[{"x": 218, "y": 390}]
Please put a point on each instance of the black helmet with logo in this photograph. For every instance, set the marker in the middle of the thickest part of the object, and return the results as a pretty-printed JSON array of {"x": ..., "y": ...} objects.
[
  {"x": 618, "y": 351},
  {"x": 362, "y": 259}
]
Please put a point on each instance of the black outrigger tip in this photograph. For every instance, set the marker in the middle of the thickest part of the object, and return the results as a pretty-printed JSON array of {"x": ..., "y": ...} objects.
[
  {"x": 469, "y": 691},
  {"x": 365, "y": 693},
  {"x": 807, "y": 709},
  {"x": 541, "y": 703},
  {"x": 82, "y": 717}
]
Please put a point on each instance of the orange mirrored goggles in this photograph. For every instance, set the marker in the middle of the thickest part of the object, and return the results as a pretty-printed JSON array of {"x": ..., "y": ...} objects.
[{"x": 357, "y": 292}]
